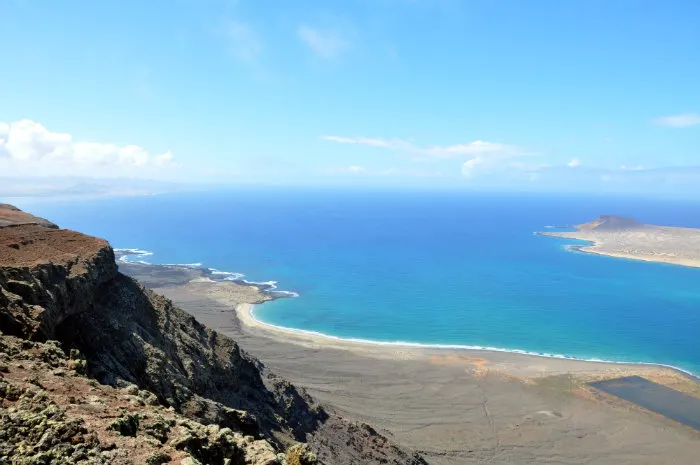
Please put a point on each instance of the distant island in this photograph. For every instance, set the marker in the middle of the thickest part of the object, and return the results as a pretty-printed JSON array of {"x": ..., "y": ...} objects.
[{"x": 622, "y": 237}]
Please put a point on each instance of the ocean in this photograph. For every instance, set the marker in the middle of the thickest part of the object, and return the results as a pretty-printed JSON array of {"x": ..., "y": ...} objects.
[{"x": 433, "y": 268}]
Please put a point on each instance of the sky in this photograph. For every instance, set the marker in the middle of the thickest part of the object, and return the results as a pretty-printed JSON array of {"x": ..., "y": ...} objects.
[{"x": 545, "y": 95}]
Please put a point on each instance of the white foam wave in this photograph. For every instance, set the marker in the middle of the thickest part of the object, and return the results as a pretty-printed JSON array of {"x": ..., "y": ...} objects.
[
  {"x": 133, "y": 252},
  {"x": 226, "y": 275},
  {"x": 286, "y": 293},
  {"x": 269, "y": 285},
  {"x": 216, "y": 275},
  {"x": 420, "y": 345},
  {"x": 184, "y": 265},
  {"x": 126, "y": 253}
]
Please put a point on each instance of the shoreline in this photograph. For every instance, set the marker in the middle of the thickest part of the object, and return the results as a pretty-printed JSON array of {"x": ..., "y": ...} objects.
[
  {"x": 244, "y": 312},
  {"x": 597, "y": 242},
  {"x": 591, "y": 249},
  {"x": 259, "y": 293},
  {"x": 199, "y": 273}
]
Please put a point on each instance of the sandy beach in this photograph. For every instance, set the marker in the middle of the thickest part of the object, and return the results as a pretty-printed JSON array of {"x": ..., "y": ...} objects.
[
  {"x": 459, "y": 406},
  {"x": 599, "y": 248}
]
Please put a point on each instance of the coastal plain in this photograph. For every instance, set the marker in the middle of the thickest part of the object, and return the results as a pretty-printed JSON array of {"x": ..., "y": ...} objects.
[{"x": 453, "y": 406}]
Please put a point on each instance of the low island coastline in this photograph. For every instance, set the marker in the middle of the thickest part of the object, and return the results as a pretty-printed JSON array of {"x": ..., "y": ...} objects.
[{"x": 619, "y": 237}]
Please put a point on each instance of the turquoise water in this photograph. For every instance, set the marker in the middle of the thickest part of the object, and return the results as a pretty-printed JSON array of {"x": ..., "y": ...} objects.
[{"x": 432, "y": 268}]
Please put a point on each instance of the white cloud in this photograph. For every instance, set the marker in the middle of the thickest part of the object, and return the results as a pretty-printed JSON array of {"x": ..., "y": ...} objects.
[
  {"x": 392, "y": 172},
  {"x": 392, "y": 144},
  {"x": 324, "y": 43},
  {"x": 528, "y": 167},
  {"x": 478, "y": 147},
  {"x": 480, "y": 154},
  {"x": 29, "y": 149},
  {"x": 243, "y": 42},
  {"x": 575, "y": 162},
  {"x": 470, "y": 165},
  {"x": 679, "y": 121},
  {"x": 470, "y": 149},
  {"x": 356, "y": 169}
]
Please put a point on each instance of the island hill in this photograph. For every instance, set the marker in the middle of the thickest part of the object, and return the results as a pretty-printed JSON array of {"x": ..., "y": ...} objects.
[{"x": 622, "y": 237}]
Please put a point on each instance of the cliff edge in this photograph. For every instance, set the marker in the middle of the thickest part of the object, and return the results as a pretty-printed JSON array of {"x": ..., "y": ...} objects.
[{"x": 148, "y": 382}]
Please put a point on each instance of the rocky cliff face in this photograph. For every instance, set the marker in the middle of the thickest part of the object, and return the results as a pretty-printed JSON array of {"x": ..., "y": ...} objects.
[
  {"x": 49, "y": 275},
  {"x": 59, "y": 285}
]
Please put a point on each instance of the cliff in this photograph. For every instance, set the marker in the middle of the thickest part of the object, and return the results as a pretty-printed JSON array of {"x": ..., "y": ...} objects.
[{"x": 131, "y": 354}]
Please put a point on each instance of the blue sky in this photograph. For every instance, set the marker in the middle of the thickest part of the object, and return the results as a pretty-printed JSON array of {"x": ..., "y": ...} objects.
[{"x": 541, "y": 95}]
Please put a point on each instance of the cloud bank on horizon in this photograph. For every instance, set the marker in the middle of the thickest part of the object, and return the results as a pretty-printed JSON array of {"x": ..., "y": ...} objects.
[
  {"x": 228, "y": 92},
  {"x": 28, "y": 149}
]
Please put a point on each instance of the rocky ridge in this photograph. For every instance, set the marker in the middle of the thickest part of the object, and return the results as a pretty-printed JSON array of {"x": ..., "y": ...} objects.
[{"x": 110, "y": 372}]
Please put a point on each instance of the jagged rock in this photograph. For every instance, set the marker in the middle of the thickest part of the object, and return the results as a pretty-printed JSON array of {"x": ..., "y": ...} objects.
[
  {"x": 53, "y": 274},
  {"x": 190, "y": 461},
  {"x": 208, "y": 444},
  {"x": 299, "y": 454},
  {"x": 147, "y": 397},
  {"x": 159, "y": 428},
  {"x": 9, "y": 391},
  {"x": 158, "y": 458},
  {"x": 126, "y": 425},
  {"x": 36, "y": 431}
]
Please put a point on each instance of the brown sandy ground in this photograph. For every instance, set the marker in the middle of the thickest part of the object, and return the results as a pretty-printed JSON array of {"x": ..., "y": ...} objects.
[{"x": 462, "y": 406}]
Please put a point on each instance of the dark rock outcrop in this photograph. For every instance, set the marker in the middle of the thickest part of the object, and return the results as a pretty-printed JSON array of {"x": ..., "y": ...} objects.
[{"x": 49, "y": 275}]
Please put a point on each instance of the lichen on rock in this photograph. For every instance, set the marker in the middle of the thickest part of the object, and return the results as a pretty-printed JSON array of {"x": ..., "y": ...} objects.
[{"x": 126, "y": 425}]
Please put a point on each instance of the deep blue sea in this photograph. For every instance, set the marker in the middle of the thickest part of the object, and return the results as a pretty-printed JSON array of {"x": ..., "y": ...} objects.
[{"x": 443, "y": 268}]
